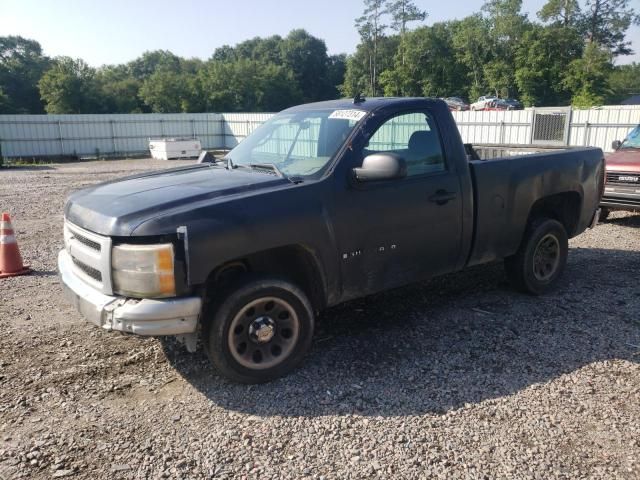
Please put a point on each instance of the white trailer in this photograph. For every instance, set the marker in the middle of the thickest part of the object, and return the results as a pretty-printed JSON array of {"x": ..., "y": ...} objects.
[{"x": 172, "y": 148}]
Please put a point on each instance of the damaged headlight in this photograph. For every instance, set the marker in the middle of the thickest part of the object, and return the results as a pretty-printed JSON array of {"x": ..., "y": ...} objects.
[{"x": 143, "y": 271}]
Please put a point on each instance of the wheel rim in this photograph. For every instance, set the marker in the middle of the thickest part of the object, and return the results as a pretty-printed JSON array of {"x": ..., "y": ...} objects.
[
  {"x": 546, "y": 258},
  {"x": 264, "y": 333}
]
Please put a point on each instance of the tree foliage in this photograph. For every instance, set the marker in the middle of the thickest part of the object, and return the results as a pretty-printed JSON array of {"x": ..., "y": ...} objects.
[
  {"x": 69, "y": 86},
  {"x": 565, "y": 13},
  {"x": 541, "y": 63},
  {"x": 371, "y": 28},
  {"x": 567, "y": 56},
  {"x": 587, "y": 76},
  {"x": 624, "y": 82},
  {"x": 22, "y": 64},
  {"x": 606, "y": 23},
  {"x": 500, "y": 51}
]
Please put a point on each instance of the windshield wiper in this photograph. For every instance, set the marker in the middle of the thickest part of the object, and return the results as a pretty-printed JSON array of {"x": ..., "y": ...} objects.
[
  {"x": 268, "y": 166},
  {"x": 228, "y": 163}
]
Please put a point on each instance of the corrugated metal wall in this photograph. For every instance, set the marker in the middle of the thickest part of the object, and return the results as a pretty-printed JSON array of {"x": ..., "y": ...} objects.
[
  {"x": 238, "y": 125},
  {"x": 602, "y": 127},
  {"x": 55, "y": 135},
  {"x": 511, "y": 127}
]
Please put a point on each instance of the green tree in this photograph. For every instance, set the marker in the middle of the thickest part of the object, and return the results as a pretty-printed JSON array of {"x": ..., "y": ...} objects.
[
  {"x": 4, "y": 101},
  {"x": 587, "y": 77},
  {"x": 277, "y": 88},
  {"x": 565, "y": 13},
  {"x": 371, "y": 29},
  {"x": 357, "y": 77},
  {"x": 473, "y": 49},
  {"x": 402, "y": 13},
  {"x": 69, "y": 86},
  {"x": 150, "y": 62},
  {"x": 119, "y": 90},
  {"x": 624, "y": 81},
  {"x": 165, "y": 91},
  {"x": 336, "y": 70},
  {"x": 541, "y": 61},
  {"x": 507, "y": 26},
  {"x": 22, "y": 64},
  {"x": 266, "y": 50},
  {"x": 507, "y": 21},
  {"x": 247, "y": 85},
  {"x": 500, "y": 77},
  {"x": 606, "y": 23},
  {"x": 305, "y": 56},
  {"x": 428, "y": 69}
]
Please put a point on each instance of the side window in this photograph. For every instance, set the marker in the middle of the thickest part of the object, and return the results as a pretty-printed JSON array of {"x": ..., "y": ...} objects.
[{"x": 414, "y": 137}]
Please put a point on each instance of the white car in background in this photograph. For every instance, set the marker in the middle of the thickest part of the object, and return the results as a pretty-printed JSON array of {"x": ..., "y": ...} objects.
[{"x": 482, "y": 103}]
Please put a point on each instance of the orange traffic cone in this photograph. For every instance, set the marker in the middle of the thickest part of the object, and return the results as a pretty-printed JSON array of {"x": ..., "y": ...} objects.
[{"x": 10, "y": 259}]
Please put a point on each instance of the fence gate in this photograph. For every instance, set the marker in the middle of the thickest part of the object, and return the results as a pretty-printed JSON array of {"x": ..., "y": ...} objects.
[{"x": 551, "y": 126}]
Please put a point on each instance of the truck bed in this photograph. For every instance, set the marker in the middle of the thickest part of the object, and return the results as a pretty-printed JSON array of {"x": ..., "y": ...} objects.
[{"x": 506, "y": 190}]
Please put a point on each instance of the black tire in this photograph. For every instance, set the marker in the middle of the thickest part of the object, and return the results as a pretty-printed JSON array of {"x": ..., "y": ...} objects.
[
  {"x": 604, "y": 214},
  {"x": 534, "y": 268},
  {"x": 282, "y": 341}
]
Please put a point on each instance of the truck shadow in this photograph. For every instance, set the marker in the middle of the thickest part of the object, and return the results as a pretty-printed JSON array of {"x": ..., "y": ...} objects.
[
  {"x": 447, "y": 343},
  {"x": 630, "y": 220},
  {"x": 25, "y": 168}
]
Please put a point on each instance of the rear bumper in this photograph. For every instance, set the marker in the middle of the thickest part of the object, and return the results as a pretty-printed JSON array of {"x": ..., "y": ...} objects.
[{"x": 174, "y": 316}]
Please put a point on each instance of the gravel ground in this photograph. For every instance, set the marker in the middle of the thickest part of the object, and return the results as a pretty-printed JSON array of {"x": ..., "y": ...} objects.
[{"x": 459, "y": 377}]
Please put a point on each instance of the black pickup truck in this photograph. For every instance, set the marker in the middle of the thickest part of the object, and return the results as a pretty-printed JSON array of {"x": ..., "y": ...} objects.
[{"x": 323, "y": 203}]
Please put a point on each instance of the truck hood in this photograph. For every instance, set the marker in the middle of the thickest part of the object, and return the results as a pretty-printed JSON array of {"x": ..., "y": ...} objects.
[
  {"x": 624, "y": 160},
  {"x": 116, "y": 208}
]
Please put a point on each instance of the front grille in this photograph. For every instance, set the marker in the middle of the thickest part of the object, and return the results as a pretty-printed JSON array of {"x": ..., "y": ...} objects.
[
  {"x": 623, "y": 178},
  {"x": 89, "y": 271},
  {"x": 85, "y": 241},
  {"x": 91, "y": 256}
]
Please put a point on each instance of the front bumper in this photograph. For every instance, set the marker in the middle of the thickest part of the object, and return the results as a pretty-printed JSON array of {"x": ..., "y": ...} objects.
[
  {"x": 621, "y": 197},
  {"x": 173, "y": 316}
]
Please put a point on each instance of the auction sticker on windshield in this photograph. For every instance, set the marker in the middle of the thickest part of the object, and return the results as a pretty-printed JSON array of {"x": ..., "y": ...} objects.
[{"x": 348, "y": 115}]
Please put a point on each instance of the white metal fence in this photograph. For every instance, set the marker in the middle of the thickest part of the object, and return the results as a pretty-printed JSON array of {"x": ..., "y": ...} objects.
[
  {"x": 88, "y": 135},
  {"x": 78, "y": 135}
]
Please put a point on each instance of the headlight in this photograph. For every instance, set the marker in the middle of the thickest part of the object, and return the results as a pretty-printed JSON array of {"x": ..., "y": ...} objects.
[{"x": 143, "y": 271}]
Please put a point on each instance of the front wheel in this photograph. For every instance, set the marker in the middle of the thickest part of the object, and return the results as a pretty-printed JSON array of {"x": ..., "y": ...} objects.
[
  {"x": 260, "y": 331},
  {"x": 541, "y": 258}
]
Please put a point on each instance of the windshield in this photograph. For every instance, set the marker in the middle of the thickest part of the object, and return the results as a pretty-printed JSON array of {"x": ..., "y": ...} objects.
[
  {"x": 633, "y": 139},
  {"x": 297, "y": 144}
]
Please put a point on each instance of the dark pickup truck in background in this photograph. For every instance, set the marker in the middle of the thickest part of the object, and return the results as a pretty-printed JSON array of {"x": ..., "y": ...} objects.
[
  {"x": 323, "y": 203},
  {"x": 622, "y": 191}
]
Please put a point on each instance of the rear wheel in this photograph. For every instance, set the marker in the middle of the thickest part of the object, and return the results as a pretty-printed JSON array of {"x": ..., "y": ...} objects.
[
  {"x": 260, "y": 331},
  {"x": 541, "y": 258}
]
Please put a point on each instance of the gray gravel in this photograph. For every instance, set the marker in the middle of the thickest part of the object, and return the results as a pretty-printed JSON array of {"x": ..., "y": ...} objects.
[{"x": 459, "y": 377}]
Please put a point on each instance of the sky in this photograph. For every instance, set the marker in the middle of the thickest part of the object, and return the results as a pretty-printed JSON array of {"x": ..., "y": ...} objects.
[{"x": 117, "y": 31}]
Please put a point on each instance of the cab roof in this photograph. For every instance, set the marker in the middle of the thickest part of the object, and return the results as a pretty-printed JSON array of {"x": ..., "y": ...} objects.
[{"x": 370, "y": 104}]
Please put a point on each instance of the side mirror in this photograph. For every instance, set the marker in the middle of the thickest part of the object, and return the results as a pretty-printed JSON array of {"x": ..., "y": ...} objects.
[
  {"x": 206, "y": 157},
  {"x": 381, "y": 166},
  {"x": 616, "y": 144}
]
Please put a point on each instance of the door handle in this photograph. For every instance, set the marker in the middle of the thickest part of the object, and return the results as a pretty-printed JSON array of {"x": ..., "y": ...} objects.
[{"x": 442, "y": 197}]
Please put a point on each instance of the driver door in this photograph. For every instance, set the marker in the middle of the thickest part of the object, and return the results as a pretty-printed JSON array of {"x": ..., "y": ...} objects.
[{"x": 393, "y": 232}]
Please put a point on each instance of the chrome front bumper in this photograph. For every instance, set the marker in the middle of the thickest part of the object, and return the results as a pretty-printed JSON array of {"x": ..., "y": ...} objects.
[{"x": 172, "y": 316}]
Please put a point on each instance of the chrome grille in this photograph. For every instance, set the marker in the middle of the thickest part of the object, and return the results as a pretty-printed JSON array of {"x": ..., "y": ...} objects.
[
  {"x": 91, "y": 256},
  {"x": 92, "y": 272},
  {"x": 89, "y": 243},
  {"x": 623, "y": 178}
]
